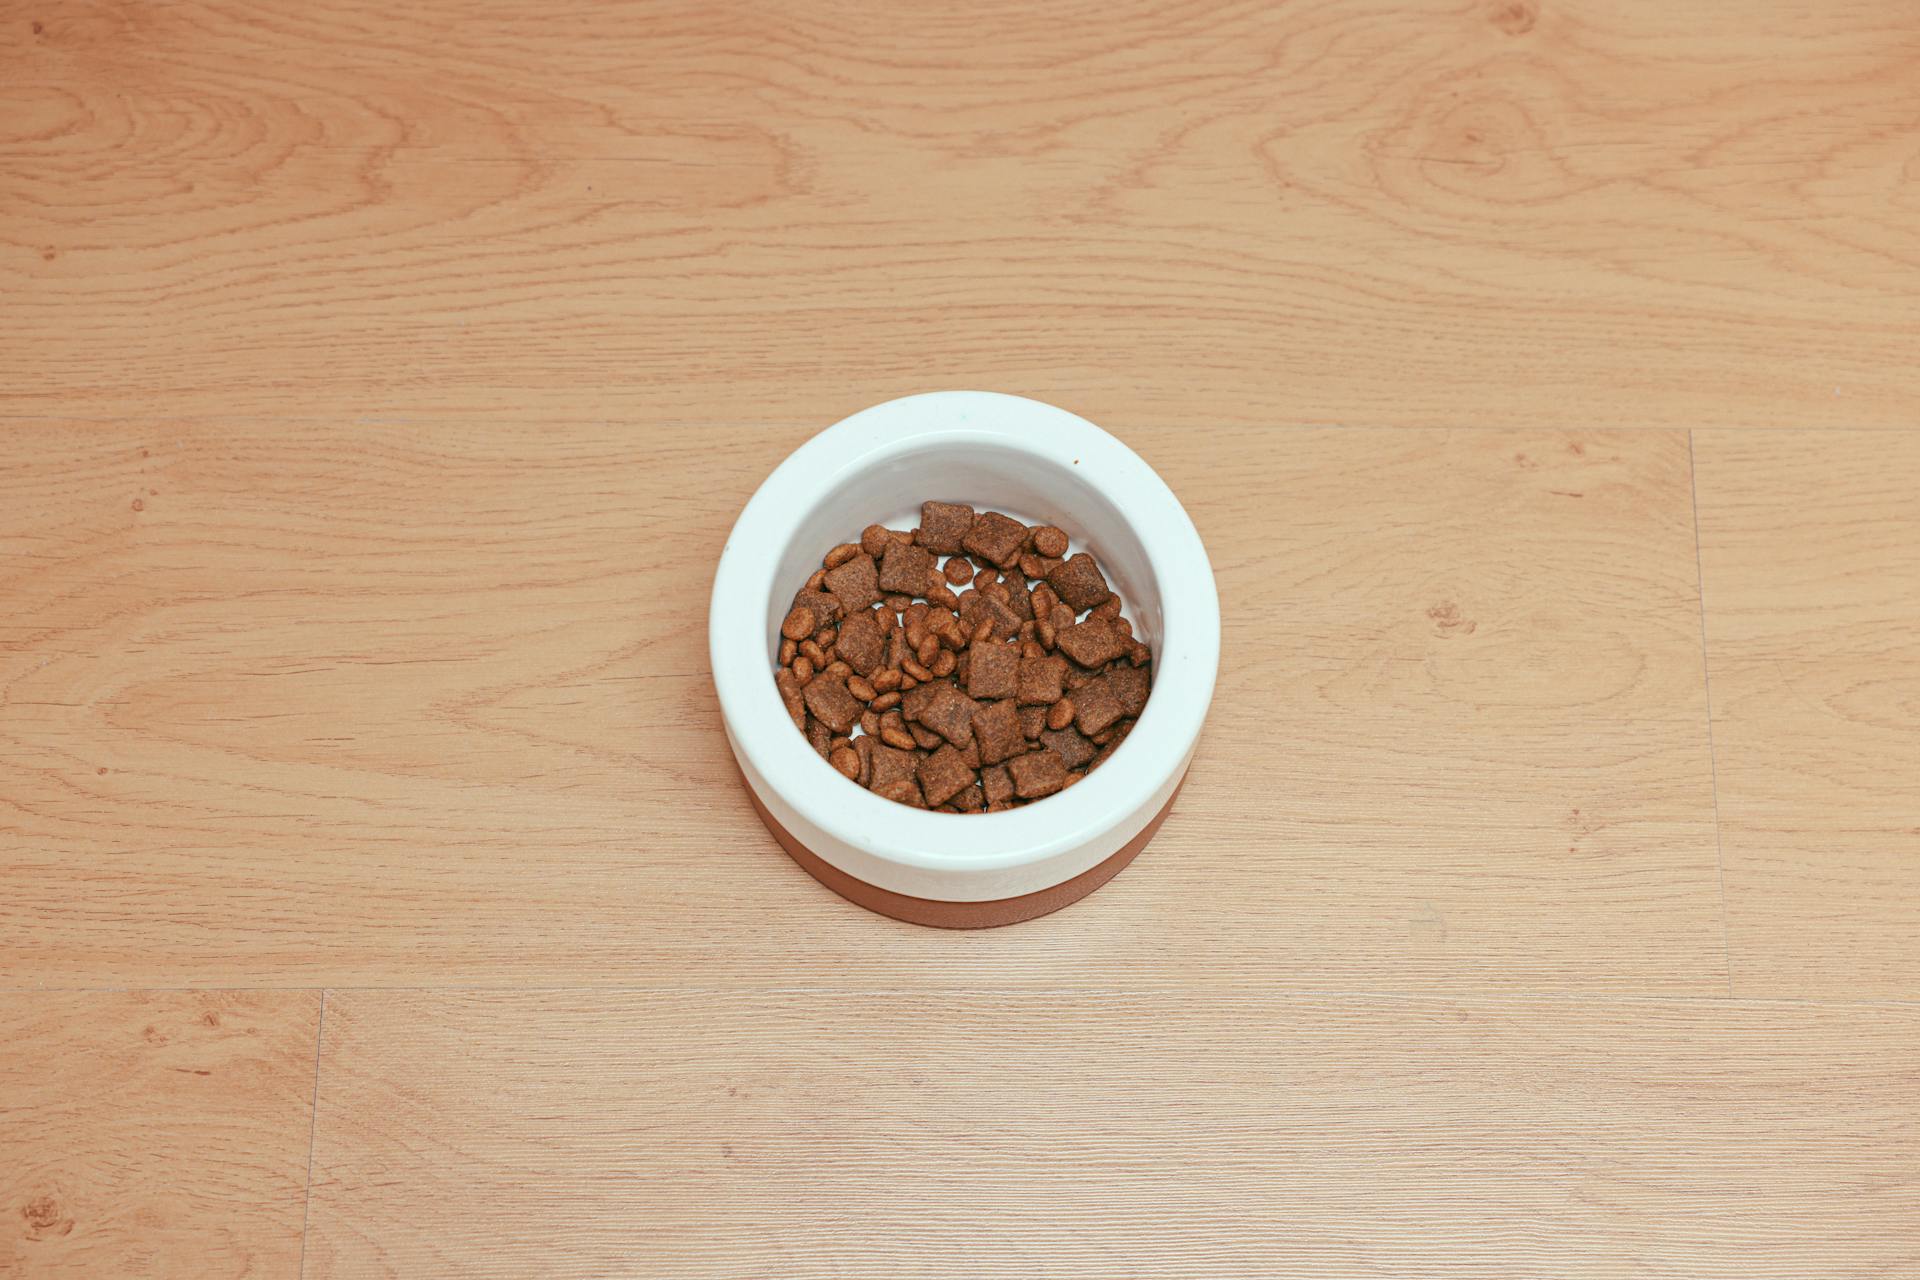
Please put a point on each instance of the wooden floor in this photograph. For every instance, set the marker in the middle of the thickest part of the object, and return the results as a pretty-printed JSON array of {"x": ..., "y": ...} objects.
[{"x": 378, "y": 384}]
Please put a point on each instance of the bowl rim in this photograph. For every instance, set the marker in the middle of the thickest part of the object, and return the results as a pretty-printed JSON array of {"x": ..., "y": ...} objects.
[{"x": 1186, "y": 660}]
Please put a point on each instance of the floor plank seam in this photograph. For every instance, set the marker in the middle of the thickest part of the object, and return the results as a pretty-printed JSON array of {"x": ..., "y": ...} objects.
[
  {"x": 313, "y": 1127},
  {"x": 1706, "y": 685}
]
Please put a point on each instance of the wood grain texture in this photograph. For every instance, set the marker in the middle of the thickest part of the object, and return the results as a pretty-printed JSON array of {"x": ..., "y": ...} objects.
[
  {"x": 362, "y": 706},
  {"x": 1019, "y": 1134},
  {"x": 1811, "y": 555},
  {"x": 155, "y": 1134},
  {"x": 1463, "y": 212}
]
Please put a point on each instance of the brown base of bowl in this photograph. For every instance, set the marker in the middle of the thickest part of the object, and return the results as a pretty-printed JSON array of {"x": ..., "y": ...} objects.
[{"x": 961, "y": 915}]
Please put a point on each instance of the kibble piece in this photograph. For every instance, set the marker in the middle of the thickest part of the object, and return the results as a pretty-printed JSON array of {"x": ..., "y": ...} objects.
[
  {"x": 874, "y": 540},
  {"x": 949, "y": 713},
  {"x": 1130, "y": 686},
  {"x": 938, "y": 595},
  {"x": 870, "y": 722},
  {"x": 1033, "y": 722},
  {"x": 1093, "y": 643},
  {"x": 814, "y": 653},
  {"x": 1095, "y": 707},
  {"x": 996, "y": 727},
  {"x": 819, "y": 737},
  {"x": 923, "y": 737},
  {"x": 846, "y": 760},
  {"x": 803, "y": 669},
  {"x": 1050, "y": 542},
  {"x": 957, "y": 571},
  {"x": 793, "y": 696},
  {"x": 995, "y": 537},
  {"x": 944, "y": 775},
  {"x": 823, "y": 605},
  {"x": 829, "y": 700},
  {"x": 1119, "y": 732},
  {"x": 943, "y": 525},
  {"x": 1037, "y": 774},
  {"x": 799, "y": 623},
  {"x": 906, "y": 791},
  {"x": 893, "y": 732},
  {"x": 855, "y": 584},
  {"x": 977, "y": 606},
  {"x": 890, "y": 764},
  {"x": 970, "y": 800},
  {"x": 993, "y": 671},
  {"x": 1019, "y": 603},
  {"x": 1060, "y": 714},
  {"x": 905, "y": 568},
  {"x": 1040, "y": 679},
  {"x": 1072, "y": 745},
  {"x": 863, "y": 747},
  {"x": 860, "y": 689},
  {"x": 997, "y": 783},
  {"x": 1079, "y": 582},
  {"x": 1034, "y": 566},
  {"x": 1110, "y": 608},
  {"x": 840, "y": 555}
]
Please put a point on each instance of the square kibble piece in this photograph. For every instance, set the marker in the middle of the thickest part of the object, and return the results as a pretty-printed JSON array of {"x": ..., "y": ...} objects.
[
  {"x": 997, "y": 784},
  {"x": 855, "y": 584},
  {"x": 1130, "y": 685},
  {"x": 944, "y": 775},
  {"x": 995, "y": 537},
  {"x": 823, "y": 605},
  {"x": 904, "y": 569},
  {"x": 891, "y": 765},
  {"x": 1038, "y": 773},
  {"x": 1095, "y": 642},
  {"x": 943, "y": 526},
  {"x": 862, "y": 642},
  {"x": 1042, "y": 680},
  {"x": 1079, "y": 582},
  {"x": 829, "y": 700},
  {"x": 996, "y": 727},
  {"x": 1095, "y": 707},
  {"x": 993, "y": 671},
  {"x": 949, "y": 713},
  {"x": 975, "y": 606},
  {"x": 1072, "y": 747}
]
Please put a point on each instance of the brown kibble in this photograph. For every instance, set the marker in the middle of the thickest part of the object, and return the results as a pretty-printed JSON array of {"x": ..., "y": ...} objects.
[
  {"x": 787, "y": 652},
  {"x": 825, "y": 637},
  {"x": 1071, "y": 779},
  {"x": 940, "y": 597},
  {"x": 861, "y": 689},
  {"x": 943, "y": 663},
  {"x": 906, "y": 791},
  {"x": 1060, "y": 714},
  {"x": 890, "y": 764},
  {"x": 1093, "y": 643},
  {"x": 830, "y": 702},
  {"x": 906, "y": 681},
  {"x": 817, "y": 581},
  {"x": 987, "y": 574},
  {"x": 792, "y": 696},
  {"x": 1110, "y": 608},
  {"x": 943, "y": 525},
  {"x": 803, "y": 669},
  {"x": 1106, "y": 735},
  {"x": 1041, "y": 679},
  {"x": 886, "y": 700},
  {"x": 870, "y": 723},
  {"x": 993, "y": 671},
  {"x": 944, "y": 775},
  {"x": 838, "y": 670},
  {"x": 874, "y": 540},
  {"x": 957, "y": 571},
  {"x": 1062, "y": 617},
  {"x": 863, "y": 747},
  {"x": 824, "y": 606},
  {"x": 997, "y": 783},
  {"x": 1095, "y": 707},
  {"x": 1073, "y": 747},
  {"x": 1033, "y": 722},
  {"x": 1043, "y": 601},
  {"x": 1078, "y": 582},
  {"x": 855, "y": 584},
  {"x": 862, "y": 642},
  {"x": 970, "y": 799},
  {"x": 1139, "y": 655},
  {"x": 1038, "y": 773},
  {"x": 923, "y": 737},
  {"x": 818, "y": 736},
  {"x": 887, "y": 680},
  {"x": 1050, "y": 541},
  {"x": 995, "y": 590},
  {"x": 1034, "y": 566},
  {"x": 906, "y": 569},
  {"x": 813, "y": 652},
  {"x": 1114, "y": 736},
  {"x": 949, "y": 713},
  {"x": 799, "y": 623},
  {"x": 976, "y": 605},
  {"x": 1076, "y": 678},
  {"x": 840, "y": 555},
  {"x": 1044, "y": 633},
  {"x": 1130, "y": 686},
  {"x": 846, "y": 760},
  {"x": 928, "y": 646},
  {"x": 996, "y": 727},
  {"x": 914, "y": 671},
  {"x": 898, "y": 603},
  {"x": 995, "y": 537},
  {"x": 948, "y": 629},
  {"x": 893, "y": 732},
  {"x": 981, "y": 631},
  {"x": 1028, "y": 630},
  {"x": 1032, "y": 649}
]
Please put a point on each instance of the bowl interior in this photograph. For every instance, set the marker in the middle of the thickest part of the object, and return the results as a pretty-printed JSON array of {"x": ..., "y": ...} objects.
[{"x": 990, "y": 477}]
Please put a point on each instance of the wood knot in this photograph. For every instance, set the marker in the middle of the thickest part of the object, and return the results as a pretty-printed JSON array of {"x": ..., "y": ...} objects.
[
  {"x": 1516, "y": 18},
  {"x": 44, "y": 1218}
]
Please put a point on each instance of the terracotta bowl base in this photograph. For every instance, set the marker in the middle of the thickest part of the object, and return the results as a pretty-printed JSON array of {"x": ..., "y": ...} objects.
[{"x": 961, "y": 915}]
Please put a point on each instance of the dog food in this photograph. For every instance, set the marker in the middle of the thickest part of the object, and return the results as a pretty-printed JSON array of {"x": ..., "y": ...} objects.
[{"x": 970, "y": 665}]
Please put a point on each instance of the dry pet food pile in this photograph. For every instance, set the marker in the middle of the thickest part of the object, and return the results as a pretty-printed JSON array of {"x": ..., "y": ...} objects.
[{"x": 925, "y": 668}]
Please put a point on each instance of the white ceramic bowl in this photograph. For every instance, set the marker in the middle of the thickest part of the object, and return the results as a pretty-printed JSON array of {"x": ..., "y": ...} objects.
[{"x": 1001, "y": 453}]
